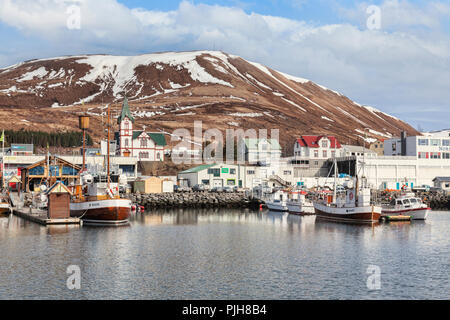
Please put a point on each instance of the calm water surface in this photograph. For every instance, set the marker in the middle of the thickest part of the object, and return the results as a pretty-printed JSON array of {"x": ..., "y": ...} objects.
[{"x": 226, "y": 255}]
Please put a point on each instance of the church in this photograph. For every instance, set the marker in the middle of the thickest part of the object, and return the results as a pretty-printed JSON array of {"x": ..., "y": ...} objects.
[{"x": 146, "y": 146}]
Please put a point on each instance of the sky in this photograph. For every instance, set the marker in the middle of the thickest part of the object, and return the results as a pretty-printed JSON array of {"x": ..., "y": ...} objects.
[{"x": 390, "y": 54}]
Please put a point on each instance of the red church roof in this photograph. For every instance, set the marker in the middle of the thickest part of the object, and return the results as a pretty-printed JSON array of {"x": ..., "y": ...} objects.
[{"x": 313, "y": 141}]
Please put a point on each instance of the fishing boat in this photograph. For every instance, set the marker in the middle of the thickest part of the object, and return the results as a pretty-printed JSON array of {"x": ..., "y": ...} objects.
[
  {"x": 298, "y": 204},
  {"x": 407, "y": 205},
  {"x": 352, "y": 205},
  {"x": 277, "y": 202},
  {"x": 5, "y": 206},
  {"x": 96, "y": 199}
]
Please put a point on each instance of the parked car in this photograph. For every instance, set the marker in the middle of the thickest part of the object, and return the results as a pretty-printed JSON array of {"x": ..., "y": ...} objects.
[
  {"x": 217, "y": 189},
  {"x": 422, "y": 188},
  {"x": 228, "y": 189},
  {"x": 181, "y": 188},
  {"x": 198, "y": 188}
]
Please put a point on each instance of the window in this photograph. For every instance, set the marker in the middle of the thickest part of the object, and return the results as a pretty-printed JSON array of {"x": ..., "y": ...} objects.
[
  {"x": 435, "y": 155},
  {"x": 143, "y": 143},
  {"x": 446, "y": 143},
  {"x": 325, "y": 154},
  {"x": 264, "y": 147},
  {"x": 446, "y": 155},
  {"x": 316, "y": 154},
  {"x": 316, "y": 163},
  {"x": 250, "y": 171},
  {"x": 333, "y": 154},
  {"x": 422, "y": 155},
  {"x": 447, "y": 185},
  {"x": 423, "y": 142},
  {"x": 205, "y": 182},
  {"x": 435, "y": 142},
  {"x": 158, "y": 156},
  {"x": 324, "y": 144},
  {"x": 287, "y": 173},
  {"x": 298, "y": 145},
  {"x": 126, "y": 143},
  {"x": 232, "y": 171},
  {"x": 143, "y": 155},
  {"x": 231, "y": 182}
]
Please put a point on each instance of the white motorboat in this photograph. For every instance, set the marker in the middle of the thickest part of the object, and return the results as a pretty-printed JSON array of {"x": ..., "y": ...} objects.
[
  {"x": 407, "y": 205},
  {"x": 277, "y": 202},
  {"x": 298, "y": 204}
]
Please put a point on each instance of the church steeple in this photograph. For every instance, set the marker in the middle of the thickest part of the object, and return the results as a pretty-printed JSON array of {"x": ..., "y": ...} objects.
[{"x": 125, "y": 112}]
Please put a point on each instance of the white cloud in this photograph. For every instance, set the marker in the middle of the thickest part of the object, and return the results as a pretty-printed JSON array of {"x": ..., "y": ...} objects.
[{"x": 405, "y": 63}]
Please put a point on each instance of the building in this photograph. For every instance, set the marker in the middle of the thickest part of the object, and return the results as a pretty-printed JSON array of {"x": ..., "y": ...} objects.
[
  {"x": 392, "y": 172},
  {"x": 18, "y": 149},
  {"x": 378, "y": 147},
  {"x": 350, "y": 150},
  {"x": 442, "y": 183},
  {"x": 422, "y": 147},
  {"x": 260, "y": 151},
  {"x": 311, "y": 154},
  {"x": 53, "y": 169},
  {"x": 146, "y": 146}
]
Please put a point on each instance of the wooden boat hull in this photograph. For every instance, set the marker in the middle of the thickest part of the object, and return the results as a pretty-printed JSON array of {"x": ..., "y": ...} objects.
[
  {"x": 112, "y": 211},
  {"x": 369, "y": 214}
]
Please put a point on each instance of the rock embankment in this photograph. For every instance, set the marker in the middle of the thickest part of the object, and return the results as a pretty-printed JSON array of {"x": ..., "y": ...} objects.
[{"x": 195, "y": 200}]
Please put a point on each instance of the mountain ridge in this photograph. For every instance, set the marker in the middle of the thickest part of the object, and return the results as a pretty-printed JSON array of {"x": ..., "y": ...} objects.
[{"x": 172, "y": 89}]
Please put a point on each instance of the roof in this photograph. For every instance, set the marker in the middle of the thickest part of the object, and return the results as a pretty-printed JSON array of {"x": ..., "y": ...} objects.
[
  {"x": 252, "y": 143},
  {"x": 158, "y": 138},
  {"x": 445, "y": 179},
  {"x": 199, "y": 168},
  {"x": 58, "y": 187},
  {"x": 313, "y": 141},
  {"x": 360, "y": 149},
  {"x": 126, "y": 113}
]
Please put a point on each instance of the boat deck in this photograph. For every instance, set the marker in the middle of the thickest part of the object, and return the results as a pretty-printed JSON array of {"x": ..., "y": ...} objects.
[{"x": 40, "y": 217}]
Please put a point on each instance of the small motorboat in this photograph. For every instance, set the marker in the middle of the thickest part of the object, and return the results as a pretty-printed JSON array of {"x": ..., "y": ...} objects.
[
  {"x": 277, "y": 202},
  {"x": 407, "y": 205},
  {"x": 298, "y": 204}
]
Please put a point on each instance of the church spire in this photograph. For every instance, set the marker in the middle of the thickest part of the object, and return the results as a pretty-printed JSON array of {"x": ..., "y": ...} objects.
[{"x": 125, "y": 112}]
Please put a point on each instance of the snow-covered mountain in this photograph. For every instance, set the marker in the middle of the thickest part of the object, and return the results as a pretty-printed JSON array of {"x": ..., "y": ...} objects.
[{"x": 172, "y": 89}]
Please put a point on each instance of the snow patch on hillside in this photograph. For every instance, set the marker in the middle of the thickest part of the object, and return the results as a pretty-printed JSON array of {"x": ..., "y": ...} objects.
[{"x": 38, "y": 73}]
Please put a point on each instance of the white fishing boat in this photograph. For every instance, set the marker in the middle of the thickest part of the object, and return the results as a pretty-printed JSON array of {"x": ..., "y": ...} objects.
[
  {"x": 277, "y": 202},
  {"x": 298, "y": 204},
  {"x": 407, "y": 205}
]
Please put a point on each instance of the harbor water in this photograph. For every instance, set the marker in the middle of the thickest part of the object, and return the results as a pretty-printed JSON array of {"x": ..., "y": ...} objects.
[{"x": 227, "y": 254}]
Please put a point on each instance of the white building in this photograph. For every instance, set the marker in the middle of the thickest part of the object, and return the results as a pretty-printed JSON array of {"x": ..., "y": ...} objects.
[
  {"x": 442, "y": 183},
  {"x": 260, "y": 151},
  {"x": 146, "y": 146},
  {"x": 422, "y": 147}
]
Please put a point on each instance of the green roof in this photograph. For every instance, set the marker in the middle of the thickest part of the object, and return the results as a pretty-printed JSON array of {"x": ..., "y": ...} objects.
[
  {"x": 252, "y": 143},
  {"x": 199, "y": 168},
  {"x": 126, "y": 113},
  {"x": 158, "y": 138}
]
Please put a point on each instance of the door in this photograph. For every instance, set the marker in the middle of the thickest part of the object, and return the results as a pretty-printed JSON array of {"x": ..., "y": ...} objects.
[{"x": 218, "y": 183}]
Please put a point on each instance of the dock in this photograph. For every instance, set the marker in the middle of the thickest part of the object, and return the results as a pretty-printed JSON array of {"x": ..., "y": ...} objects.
[
  {"x": 41, "y": 217},
  {"x": 395, "y": 218}
]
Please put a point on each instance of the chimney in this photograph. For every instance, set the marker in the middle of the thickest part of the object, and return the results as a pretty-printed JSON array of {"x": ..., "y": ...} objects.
[{"x": 403, "y": 139}]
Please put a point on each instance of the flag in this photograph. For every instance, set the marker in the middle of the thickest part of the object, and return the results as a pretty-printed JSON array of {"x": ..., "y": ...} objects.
[{"x": 2, "y": 139}]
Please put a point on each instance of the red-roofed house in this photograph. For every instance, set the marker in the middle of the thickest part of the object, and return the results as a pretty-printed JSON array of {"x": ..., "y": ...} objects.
[{"x": 316, "y": 147}]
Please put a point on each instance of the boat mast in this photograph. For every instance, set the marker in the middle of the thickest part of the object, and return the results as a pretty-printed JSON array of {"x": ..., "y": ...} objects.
[
  {"x": 107, "y": 149},
  {"x": 335, "y": 173}
]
